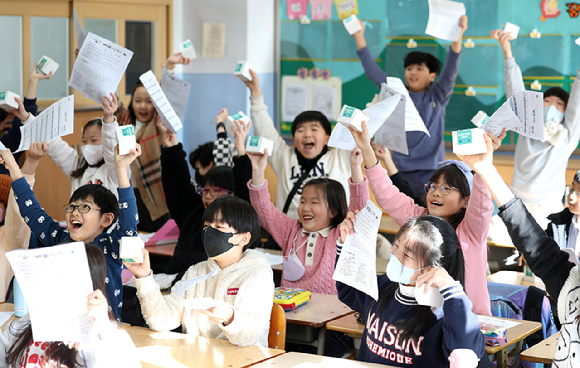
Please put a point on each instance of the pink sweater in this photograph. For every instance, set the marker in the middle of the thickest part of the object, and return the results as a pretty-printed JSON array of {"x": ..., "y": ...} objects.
[
  {"x": 318, "y": 277},
  {"x": 472, "y": 230}
]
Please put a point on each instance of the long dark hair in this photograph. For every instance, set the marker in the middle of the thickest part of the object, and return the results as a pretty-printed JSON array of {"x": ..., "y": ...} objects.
[
  {"x": 57, "y": 352},
  {"x": 434, "y": 243},
  {"x": 335, "y": 197},
  {"x": 132, "y": 115},
  {"x": 82, "y": 164},
  {"x": 455, "y": 178}
]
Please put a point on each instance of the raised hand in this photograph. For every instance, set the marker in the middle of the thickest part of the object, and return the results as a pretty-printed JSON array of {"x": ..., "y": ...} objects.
[
  {"x": 10, "y": 164},
  {"x": 221, "y": 116},
  {"x": 346, "y": 226},
  {"x": 109, "y": 108},
  {"x": 259, "y": 164},
  {"x": 140, "y": 270},
  {"x": 176, "y": 58},
  {"x": 36, "y": 75},
  {"x": 20, "y": 112},
  {"x": 122, "y": 161},
  {"x": 37, "y": 150},
  {"x": 240, "y": 133},
  {"x": 474, "y": 161},
  {"x": 496, "y": 141},
  {"x": 254, "y": 85},
  {"x": 504, "y": 39}
]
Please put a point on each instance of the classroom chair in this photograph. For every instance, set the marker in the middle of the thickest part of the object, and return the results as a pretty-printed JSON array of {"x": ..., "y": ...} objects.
[{"x": 277, "y": 334}]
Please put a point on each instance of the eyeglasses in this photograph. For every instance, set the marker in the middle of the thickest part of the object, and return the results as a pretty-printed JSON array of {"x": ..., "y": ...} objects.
[
  {"x": 213, "y": 192},
  {"x": 83, "y": 208},
  {"x": 444, "y": 189}
]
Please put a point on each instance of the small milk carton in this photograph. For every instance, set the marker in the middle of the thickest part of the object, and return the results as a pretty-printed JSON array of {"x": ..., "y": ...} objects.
[
  {"x": 242, "y": 71},
  {"x": 231, "y": 126},
  {"x": 187, "y": 50},
  {"x": 47, "y": 65},
  {"x": 258, "y": 144},
  {"x": 469, "y": 142},
  {"x": 126, "y": 139},
  {"x": 351, "y": 24},
  {"x": 529, "y": 275},
  {"x": 7, "y": 101},
  {"x": 511, "y": 29},
  {"x": 479, "y": 119},
  {"x": 351, "y": 116},
  {"x": 131, "y": 250}
]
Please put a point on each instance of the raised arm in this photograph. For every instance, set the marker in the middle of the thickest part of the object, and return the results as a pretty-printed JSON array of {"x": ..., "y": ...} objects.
[
  {"x": 541, "y": 252},
  {"x": 108, "y": 135},
  {"x": 223, "y": 148},
  {"x": 512, "y": 72},
  {"x": 372, "y": 70},
  {"x": 572, "y": 115},
  {"x": 242, "y": 163}
]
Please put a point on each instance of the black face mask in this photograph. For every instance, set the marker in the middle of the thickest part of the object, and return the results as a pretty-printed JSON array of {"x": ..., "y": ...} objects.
[{"x": 215, "y": 242}]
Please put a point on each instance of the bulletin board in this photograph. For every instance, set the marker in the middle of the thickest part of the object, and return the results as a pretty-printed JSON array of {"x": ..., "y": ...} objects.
[{"x": 552, "y": 59}]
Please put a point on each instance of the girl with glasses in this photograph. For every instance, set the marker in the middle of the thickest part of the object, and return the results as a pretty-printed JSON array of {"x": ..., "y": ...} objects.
[{"x": 454, "y": 194}]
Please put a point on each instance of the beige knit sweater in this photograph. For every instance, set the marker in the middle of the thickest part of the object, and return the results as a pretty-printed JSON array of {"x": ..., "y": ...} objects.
[{"x": 247, "y": 285}]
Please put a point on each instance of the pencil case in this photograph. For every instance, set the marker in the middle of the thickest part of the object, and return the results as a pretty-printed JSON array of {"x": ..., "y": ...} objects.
[
  {"x": 494, "y": 335},
  {"x": 290, "y": 298}
]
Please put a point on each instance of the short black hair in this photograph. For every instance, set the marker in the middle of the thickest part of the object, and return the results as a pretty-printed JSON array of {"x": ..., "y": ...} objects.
[
  {"x": 556, "y": 91},
  {"x": 203, "y": 153},
  {"x": 418, "y": 57},
  {"x": 237, "y": 213},
  {"x": 3, "y": 115},
  {"x": 457, "y": 179},
  {"x": 221, "y": 177},
  {"x": 100, "y": 195},
  {"x": 311, "y": 115},
  {"x": 335, "y": 197}
]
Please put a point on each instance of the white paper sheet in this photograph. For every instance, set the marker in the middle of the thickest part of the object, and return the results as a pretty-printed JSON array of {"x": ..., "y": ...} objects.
[
  {"x": 392, "y": 133},
  {"x": 177, "y": 92},
  {"x": 162, "y": 105},
  {"x": 497, "y": 321},
  {"x": 356, "y": 264},
  {"x": 378, "y": 114},
  {"x": 55, "y": 121},
  {"x": 323, "y": 96},
  {"x": 523, "y": 113},
  {"x": 213, "y": 40},
  {"x": 274, "y": 259},
  {"x": 444, "y": 19},
  {"x": 295, "y": 100},
  {"x": 99, "y": 67},
  {"x": 162, "y": 279},
  {"x": 413, "y": 121},
  {"x": 56, "y": 273},
  {"x": 181, "y": 287},
  {"x": 78, "y": 30}
]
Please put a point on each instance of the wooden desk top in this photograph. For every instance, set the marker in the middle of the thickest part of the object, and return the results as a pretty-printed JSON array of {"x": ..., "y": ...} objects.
[
  {"x": 289, "y": 360},
  {"x": 514, "y": 278},
  {"x": 165, "y": 250},
  {"x": 542, "y": 352},
  {"x": 515, "y": 334},
  {"x": 388, "y": 225},
  {"x": 320, "y": 310},
  {"x": 170, "y": 349},
  {"x": 347, "y": 324}
]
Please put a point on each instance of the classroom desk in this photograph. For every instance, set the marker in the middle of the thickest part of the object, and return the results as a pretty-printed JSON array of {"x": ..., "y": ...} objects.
[
  {"x": 165, "y": 250},
  {"x": 290, "y": 360},
  {"x": 170, "y": 349},
  {"x": 543, "y": 352},
  {"x": 515, "y": 336},
  {"x": 310, "y": 320},
  {"x": 388, "y": 225},
  {"x": 514, "y": 278}
]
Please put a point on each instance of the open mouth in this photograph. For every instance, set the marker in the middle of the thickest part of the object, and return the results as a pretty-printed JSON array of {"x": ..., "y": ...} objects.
[
  {"x": 308, "y": 146},
  {"x": 76, "y": 224},
  {"x": 436, "y": 204},
  {"x": 308, "y": 218},
  {"x": 143, "y": 115}
]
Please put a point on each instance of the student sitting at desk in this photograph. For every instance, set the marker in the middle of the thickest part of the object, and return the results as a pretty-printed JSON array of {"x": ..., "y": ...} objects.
[
  {"x": 400, "y": 332},
  {"x": 237, "y": 277},
  {"x": 543, "y": 255}
]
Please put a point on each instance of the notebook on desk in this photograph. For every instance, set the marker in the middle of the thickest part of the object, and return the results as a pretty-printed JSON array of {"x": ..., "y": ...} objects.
[{"x": 167, "y": 234}]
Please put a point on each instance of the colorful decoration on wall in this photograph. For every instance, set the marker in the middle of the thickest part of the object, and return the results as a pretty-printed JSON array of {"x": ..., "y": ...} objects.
[
  {"x": 573, "y": 9},
  {"x": 320, "y": 9},
  {"x": 346, "y": 8},
  {"x": 549, "y": 9},
  {"x": 296, "y": 9},
  {"x": 325, "y": 73},
  {"x": 314, "y": 73},
  {"x": 302, "y": 73}
]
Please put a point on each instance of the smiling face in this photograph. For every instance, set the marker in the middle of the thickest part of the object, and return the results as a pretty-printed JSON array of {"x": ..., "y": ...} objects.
[
  {"x": 142, "y": 105},
  {"x": 445, "y": 206},
  {"x": 313, "y": 211},
  {"x": 92, "y": 135},
  {"x": 86, "y": 227},
  {"x": 310, "y": 139},
  {"x": 418, "y": 77},
  {"x": 574, "y": 198}
]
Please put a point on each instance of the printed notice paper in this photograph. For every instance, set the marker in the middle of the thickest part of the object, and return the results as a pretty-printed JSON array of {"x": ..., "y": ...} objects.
[
  {"x": 177, "y": 92},
  {"x": 213, "y": 40},
  {"x": 162, "y": 105},
  {"x": 444, "y": 19},
  {"x": 56, "y": 273},
  {"x": 55, "y": 121},
  {"x": 378, "y": 114},
  {"x": 413, "y": 121},
  {"x": 78, "y": 30},
  {"x": 356, "y": 266},
  {"x": 523, "y": 113},
  {"x": 99, "y": 67}
]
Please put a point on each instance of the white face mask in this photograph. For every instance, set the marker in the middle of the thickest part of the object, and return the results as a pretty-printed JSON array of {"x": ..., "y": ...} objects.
[
  {"x": 92, "y": 153},
  {"x": 552, "y": 123}
]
